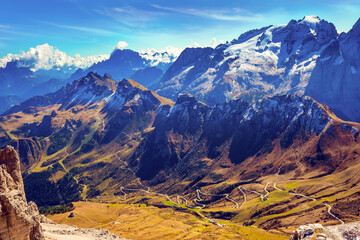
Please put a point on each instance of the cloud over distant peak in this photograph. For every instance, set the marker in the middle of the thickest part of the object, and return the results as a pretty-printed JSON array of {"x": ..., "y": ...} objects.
[
  {"x": 121, "y": 45},
  {"x": 214, "y": 42},
  {"x": 48, "y": 57},
  {"x": 156, "y": 56}
]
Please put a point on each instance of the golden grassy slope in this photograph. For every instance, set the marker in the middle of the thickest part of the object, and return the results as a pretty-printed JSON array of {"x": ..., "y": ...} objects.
[{"x": 138, "y": 221}]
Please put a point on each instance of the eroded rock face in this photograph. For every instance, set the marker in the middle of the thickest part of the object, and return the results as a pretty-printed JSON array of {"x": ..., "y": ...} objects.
[
  {"x": 19, "y": 220},
  {"x": 349, "y": 231}
]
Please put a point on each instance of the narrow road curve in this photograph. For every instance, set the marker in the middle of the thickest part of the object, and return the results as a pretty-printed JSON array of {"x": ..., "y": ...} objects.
[
  {"x": 125, "y": 194},
  {"x": 198, "y": 199},
  {"x": 198, "y": 192},
  {"x": 126, "y": 135},
  {"x": 324, "y": 203},
  {"x": 65, "y": 150},
  {"x": 262, "y": 196},
  {"x": 251, "y": 191},
  {"x": 267, "y": 192},
  {"x": 302, "y": 195},
  {"x": 333, "y": 215},
  {"x": 243, "y": 195}
]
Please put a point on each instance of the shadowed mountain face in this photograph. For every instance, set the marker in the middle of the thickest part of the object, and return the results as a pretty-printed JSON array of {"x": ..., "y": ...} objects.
[
  {"x": 121, "y": 64},
  {"x": 16, "y": 80},
  {"x": 231, "y": 132},
  {"x": 336, "y": 80},
  {"x": 147, "y": 76},
  {"x": 18, "y": 83},
  {"x": 144, "y": 68}
]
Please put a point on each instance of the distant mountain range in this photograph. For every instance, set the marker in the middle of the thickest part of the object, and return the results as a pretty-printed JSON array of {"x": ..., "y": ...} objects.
[
  {"x": 21, "y": 83},
  {"x": 306, "y": 57}
]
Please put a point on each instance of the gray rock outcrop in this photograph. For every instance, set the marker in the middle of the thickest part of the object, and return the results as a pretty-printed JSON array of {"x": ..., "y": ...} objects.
[
  {"x": 350, "y": 231},
  {"x": 19, "y": 220}
]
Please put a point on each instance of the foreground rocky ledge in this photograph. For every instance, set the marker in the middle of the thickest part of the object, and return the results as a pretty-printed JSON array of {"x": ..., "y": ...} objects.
[
  {"x": 350, "y": 231},
  {"x": 53, "y": 231}
]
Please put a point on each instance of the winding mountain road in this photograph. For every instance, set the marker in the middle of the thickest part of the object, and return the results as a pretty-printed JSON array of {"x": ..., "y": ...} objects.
[
  {"x": 198, "y": 198},
  {"x": 243, "y": 195},
  {"x": 324, "y": 203},
  {"x": 198, "y": 192}
]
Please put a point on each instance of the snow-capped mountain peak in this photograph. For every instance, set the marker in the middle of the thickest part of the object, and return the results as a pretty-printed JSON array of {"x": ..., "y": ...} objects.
[
  {"x": 261, "y": 62},
  {"x": 311, "y": 21}
]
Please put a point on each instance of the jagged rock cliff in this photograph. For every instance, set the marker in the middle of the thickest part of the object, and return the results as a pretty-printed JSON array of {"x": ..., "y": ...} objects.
[{"x": 19, "y": 220}]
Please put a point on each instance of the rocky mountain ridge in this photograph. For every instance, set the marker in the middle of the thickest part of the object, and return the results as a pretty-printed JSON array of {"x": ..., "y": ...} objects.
[
  {"x": 284, "y": 59},
  {"x": 244, "y": 128}
]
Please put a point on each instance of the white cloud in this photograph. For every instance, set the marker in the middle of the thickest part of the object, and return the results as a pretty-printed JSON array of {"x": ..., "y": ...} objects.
[
  {"x": 121, "y": 45},
  {"x": 166, "y": 55},
  {"x": 194, "y": 45},
  {"x": 235, "y": 14},
  {"x": 90, "y": 30},
  {"x": 214, "y": 42},
  {"x": 4, "y": 26},
  {"x": 48, "y": 57}
]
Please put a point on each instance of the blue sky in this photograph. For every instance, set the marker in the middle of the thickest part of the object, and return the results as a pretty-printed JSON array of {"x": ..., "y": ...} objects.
[{"x": 91, "y": 27}]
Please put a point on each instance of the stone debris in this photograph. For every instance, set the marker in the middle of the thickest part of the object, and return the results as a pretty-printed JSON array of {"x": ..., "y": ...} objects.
[
  {"x": 350, "y": 231},
  {"x": 54, "y": 231}
]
